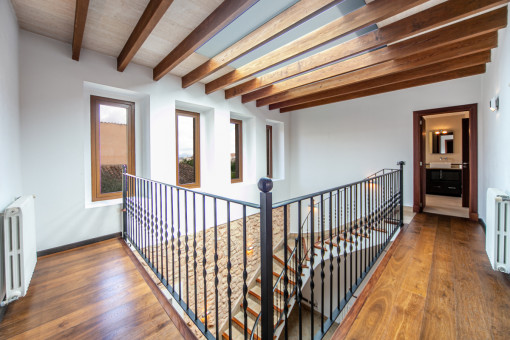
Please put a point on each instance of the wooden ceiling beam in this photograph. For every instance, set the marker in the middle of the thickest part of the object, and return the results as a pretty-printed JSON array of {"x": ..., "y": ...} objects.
[
  {"x": 467, "y": 72},
  {"x": 283, "y": 22},
  {"x": 431, "y": 18},
  {"x": 80, "y": 18},
  {"x": 360, "y": 18},
  {"x": 485, "y": 23},
  {"x": 451, "y": 51},
  {"x": 420, "y": 72},
  {"x": 223, "y": 15},
  {"x": 149, "y": 19}
]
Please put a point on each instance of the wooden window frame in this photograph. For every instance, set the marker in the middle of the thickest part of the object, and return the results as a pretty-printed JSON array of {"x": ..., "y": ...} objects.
[
  {"x": 196, "y": 153},
  {"x": 95, "y": 101},
  {"x": 239, "y": 149},
  {"x": 269, "y": 151}
]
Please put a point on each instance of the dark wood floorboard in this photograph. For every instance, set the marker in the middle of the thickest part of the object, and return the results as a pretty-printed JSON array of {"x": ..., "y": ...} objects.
[
  {"x": 92, "y": 292},
  {"x": 438, "y": 284}
]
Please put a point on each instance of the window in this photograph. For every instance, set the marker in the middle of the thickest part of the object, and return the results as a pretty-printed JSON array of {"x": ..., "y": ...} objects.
[
  {"x": 236, "y": 150},
  {"x": 269, "y": 151},
  {"x": 187, "y": 125},
  {"x": 112, "y": 145}
]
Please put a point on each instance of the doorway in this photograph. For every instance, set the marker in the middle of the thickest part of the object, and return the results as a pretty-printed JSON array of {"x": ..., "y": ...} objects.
[{"x": 445, "y": 161}]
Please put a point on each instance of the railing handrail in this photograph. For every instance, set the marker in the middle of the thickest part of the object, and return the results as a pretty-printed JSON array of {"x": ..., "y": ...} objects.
[
  {"x": 318, "y": 193},
  {"x": 231, "y": 200}
]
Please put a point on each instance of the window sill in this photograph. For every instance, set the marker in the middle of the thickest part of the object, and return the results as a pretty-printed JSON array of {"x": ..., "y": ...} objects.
[{"x": 106, "y": 203}]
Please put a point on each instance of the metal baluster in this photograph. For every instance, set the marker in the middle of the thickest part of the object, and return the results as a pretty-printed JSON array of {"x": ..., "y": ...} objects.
[
  {"x": 367, "y": 233},
  {"x": 156, "y": 223},
  {"x": 351, "y": 209},
  {"x": 173, "y": 236},
  {"x": 160, "y": 227},
  {"x": 186, "y": 247},
  {"x": 299, "y": 272},
  {"x": 356, "y": 234},
  {"x": 285, "y": 271},
  {"x": 379, "y": 217},
  {"x": 127, "y": 214},
  {"x": 345, "y": 243},
  {"x": 151, "y": 193},
  {"x": 245, "y": 276},
  {"x": 331, "y": 254},
  {"x": 323, "y": 263},
  {"x": 401, "y": 190},
  {"x": 312, "y": 259},
  {"x": 338, "y": 217},
  {"x": 138, "y": 214},
  {"x": 204, "y": 262},
  {"x": 216, "y": 269},
  {"x": 371, "y": 221},
  {"x": 179, "y": 242},
  {"x": 195, "y": 252},
  {"x": 166, "y": 233},
  {"x": 229, "y": 276},
  {"x": 146, "y": 217}
]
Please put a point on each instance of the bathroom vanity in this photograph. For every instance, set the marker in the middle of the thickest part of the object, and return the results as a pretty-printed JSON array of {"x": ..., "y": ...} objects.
[{"x": 446, "y": 182}]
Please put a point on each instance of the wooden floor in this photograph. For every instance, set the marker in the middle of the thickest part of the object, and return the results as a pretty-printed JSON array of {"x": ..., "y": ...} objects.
[
  {"x": 437, "y": 284},
  {"x": 445, "y": 205},
  {"x": 92, "y": 292}
]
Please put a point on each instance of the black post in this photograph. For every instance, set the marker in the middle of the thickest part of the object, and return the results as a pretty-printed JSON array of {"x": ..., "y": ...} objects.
[
  {"x": 124, "y": 206},
  {"x": 401, "y": 164},
  {"x": 266, "y": 256}
]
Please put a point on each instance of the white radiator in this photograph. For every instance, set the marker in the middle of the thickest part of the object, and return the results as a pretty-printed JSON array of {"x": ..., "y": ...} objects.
[
  {"x": 497, "y": 244},
  {"x": 20, "y": 255}
]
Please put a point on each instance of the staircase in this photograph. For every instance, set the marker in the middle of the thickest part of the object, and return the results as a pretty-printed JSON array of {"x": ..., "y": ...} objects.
[
  {"x": 355, "y": 240},
  {"x": 254, "y": 301}
]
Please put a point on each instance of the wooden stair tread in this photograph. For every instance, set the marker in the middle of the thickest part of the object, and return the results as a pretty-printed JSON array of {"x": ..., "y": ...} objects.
[
  {"x": 278, "y": 264},
  {"x": 275, "y": 277},
  {"x": 257, "y": 296},
  {"x": 236, "y": 332}
]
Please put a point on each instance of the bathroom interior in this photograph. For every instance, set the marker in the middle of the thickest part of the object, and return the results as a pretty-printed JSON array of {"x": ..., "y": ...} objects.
[{"x": 447, "y": 164}]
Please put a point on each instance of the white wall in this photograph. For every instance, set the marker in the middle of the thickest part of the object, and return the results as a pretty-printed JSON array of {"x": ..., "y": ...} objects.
[
  {"x": 494, "y": 127},
  {"x": 10, "y": 183},
  {"x": 10, "y": 164},
  {"x": 56, "y": 136},
  {"x": 343, "y": 142}
]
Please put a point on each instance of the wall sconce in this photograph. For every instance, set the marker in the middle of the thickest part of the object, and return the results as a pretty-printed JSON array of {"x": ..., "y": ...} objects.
[
  {"x": 249, "y": 250},
  {"x": 205, "y": 316},
  {"x": 494, "y": 104}
]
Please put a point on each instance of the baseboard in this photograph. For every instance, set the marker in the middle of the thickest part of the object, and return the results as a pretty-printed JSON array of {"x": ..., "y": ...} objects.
[
  {"x": 3, "y": 310},
  {"x": 77, "y": 244},
  {"x": 484, "y": 226}
]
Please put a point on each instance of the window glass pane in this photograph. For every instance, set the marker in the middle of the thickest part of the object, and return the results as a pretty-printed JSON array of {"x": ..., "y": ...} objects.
[
  {"x": 234, "y": 142},
  {"x": 113, "y": 146},
  {"x": 186, "y": 149}
]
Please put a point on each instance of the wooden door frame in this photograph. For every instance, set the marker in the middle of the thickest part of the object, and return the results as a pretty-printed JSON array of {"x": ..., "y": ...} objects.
[{"x": 418, "y": 177}]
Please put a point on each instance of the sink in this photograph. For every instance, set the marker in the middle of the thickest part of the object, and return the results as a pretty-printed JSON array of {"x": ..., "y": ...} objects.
[{"x": 440, "y": 165}]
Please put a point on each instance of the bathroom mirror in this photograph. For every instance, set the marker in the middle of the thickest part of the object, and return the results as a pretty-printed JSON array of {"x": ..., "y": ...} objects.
[{"x": 442, "y": 141}]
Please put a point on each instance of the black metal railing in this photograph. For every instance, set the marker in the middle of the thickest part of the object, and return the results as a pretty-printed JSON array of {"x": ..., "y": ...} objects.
[
  {"x": 314, "y": 250},
  {"x": 176, "y": 232},
  {"x": 341, "y": 232}
]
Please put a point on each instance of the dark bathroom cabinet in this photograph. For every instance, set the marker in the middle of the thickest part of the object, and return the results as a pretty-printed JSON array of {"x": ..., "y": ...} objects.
[{"x": 446, "y": 182}]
